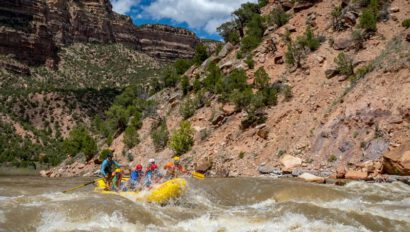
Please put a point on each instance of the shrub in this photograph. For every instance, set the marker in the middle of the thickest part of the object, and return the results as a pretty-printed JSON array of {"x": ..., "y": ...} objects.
[
  {"x": 406, "y": 23},
  {"x": 131, "y": 137},
  {"x": 239, "y": 55},
  {"x": 251, "y": 120},
  {"x": 262, "y": 3},
  {"x": 294, "y": 54},
  {"x": 241, "y": 99},
  {"x": 187, "y": 108},
  {"x": 213, "y": 78},
  {"x": 197, "y": 84},
  {"x": 104, "y": 153},
  {"x": 185, "y": 86},
  {"x": 358, "y": 39},
  {"x": 287, "y": 92},
  {"x": 182, "y": 139},
  {"x": 117, "y": 117},
  {"x": 241, "y": 155},
  {"x": 261, "y": 79},
  {"x": 182, "y": 65},
  {"x": 201, "y": 54},
  {"x": 136, "y": 121},
  {"x": 344, "y": 64},
  {"x": 169, "y": 77},
  {"x": 254, "y": 34},
  {"x": 249, "y": 61},
  {"x": 160, "y": 135},
  {"x": 279, "y": 17},
  {"x": 79, "y": 140},
  {"x": 368, "y": 20},
  {"x": 332, "y": 158},
  {"x": 309, "y": 40},
  {"x": 229, "y": 32},
  {"x": 337, "y": 23}
]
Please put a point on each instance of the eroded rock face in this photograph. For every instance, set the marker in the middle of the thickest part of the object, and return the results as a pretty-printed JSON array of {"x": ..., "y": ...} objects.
[
  {"x": 33, "y": 30},
  {"x": 397, "y": 162}
]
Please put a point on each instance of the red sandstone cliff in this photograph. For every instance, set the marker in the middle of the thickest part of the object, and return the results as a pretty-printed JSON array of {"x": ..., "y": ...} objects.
[{"x": 33, "y": 30}]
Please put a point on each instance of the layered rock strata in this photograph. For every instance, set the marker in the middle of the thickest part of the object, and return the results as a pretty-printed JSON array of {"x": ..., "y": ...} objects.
[{"x": 33, "y": 30}]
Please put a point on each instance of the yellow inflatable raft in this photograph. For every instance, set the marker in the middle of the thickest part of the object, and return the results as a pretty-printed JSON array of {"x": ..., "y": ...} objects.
[{"x": 159, "y": 194}]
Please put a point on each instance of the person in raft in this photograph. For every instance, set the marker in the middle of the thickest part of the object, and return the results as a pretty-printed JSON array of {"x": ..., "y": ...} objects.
[
  {"x": 174, "y": 169},
  {"x": 151, "y": 173},
  {"x": 117, "y": 184},
  {"x": 107, "y": 169},
  {"x": 136, "y": 176}
]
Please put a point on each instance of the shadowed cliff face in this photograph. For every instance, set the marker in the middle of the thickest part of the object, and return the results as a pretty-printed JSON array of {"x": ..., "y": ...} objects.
[{"x": 34, "y": 30}]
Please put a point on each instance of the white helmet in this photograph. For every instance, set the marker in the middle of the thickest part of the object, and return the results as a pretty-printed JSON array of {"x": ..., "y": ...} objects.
[{"x": 151, "y": 161}]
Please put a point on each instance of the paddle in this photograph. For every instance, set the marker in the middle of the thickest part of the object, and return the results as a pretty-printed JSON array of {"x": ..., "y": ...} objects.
[
  {"x": 80, "y": 186},
  {"x": 198, "y": 175}
]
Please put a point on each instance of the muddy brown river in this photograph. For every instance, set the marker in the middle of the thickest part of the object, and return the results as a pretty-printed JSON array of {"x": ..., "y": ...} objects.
[{"x": 240, "y": 204}]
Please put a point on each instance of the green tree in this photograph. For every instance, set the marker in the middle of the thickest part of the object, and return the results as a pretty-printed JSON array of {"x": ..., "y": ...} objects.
[
  {"x": 160, "y": 135},
  {"x": 344, "y": 64},
  {"x": 185, "y": 86},
  {"x": 279, "y": 17},
  {"x": 244, "y": 14},
  {"x": 182, "y": 139},
  {"x": 254, "y": 34},
  {"x": 182, "y": 65},
  {"x": 201, "y": 54},
  {"x": 131, "y": 137},
  {"x": 261, "y": 79},
  {"x": 187, "y": 108},
  {"x": 79, "y": 140},
  {"x": 368, "y": 20},
  {"x": 229, "y": 32}
]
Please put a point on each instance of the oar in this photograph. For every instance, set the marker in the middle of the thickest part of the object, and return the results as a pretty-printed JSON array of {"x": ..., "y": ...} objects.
[
  {"x": 198, "y": 175},
  {"x": 80, "y": 186}
]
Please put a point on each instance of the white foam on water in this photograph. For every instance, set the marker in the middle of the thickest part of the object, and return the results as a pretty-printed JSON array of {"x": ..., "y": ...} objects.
[
  {"x": 234, "y": 223},
  {"x": 364, "y": 207},
  {"x": 2, "y": 217},
  {"x": 383, "y": 189},
  {"x": 3, "y": 198},
  {"x": 263, "y": 205},
  {"x": 58, "y": 221}
]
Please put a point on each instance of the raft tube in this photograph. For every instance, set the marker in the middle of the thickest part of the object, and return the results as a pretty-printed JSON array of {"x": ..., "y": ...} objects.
[{"x": 160, "y": 194}]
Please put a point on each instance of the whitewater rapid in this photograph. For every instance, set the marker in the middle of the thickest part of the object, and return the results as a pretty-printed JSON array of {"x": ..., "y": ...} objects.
[{"x": 240, "y": 204}]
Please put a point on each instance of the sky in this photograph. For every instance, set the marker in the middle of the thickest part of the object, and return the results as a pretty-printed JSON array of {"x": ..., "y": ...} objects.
[{"x": 199, "y": 16}]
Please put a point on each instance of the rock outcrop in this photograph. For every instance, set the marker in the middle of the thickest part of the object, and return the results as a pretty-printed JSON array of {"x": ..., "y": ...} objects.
[
  {"x": 397, "y": 162},
  {"x": 33, "y": 30}
]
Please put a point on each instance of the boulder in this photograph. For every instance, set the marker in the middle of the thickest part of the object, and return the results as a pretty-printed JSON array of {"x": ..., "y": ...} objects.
[
  {"x": 340, "y": 172},
  {"x": 397, "y": 162},
  {"x": 343, "y": 42},
  {"x": 267, "y": 169},
  {"x": 203, "y": 166},
  {"x": 331, "y": 72},
  {"x": 375, "y": 149},
  {"x": 290, "y": 162},
  {"x": 229, "y": 109},
  {"x": 263, "y": 133},
  {"x": 394, "y": 9},
  {"x": 312, "y": 178},
  {"x": 356, "y": 175},
  {"x": 225, "y": 50}
]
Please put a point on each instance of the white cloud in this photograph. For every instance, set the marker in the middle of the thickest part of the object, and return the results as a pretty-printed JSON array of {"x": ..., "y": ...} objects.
[
  {"x": 198, "y": 14},
  {"x": 123, "y": 6}
]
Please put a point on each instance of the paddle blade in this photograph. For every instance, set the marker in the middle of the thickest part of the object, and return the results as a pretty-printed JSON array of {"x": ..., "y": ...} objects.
[{"x": 198, "y": 175}]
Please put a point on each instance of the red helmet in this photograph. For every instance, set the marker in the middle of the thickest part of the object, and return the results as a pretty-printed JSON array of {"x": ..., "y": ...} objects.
[
  {"x": 153, "y": 167},
  {"x": 138, "y": 167}
]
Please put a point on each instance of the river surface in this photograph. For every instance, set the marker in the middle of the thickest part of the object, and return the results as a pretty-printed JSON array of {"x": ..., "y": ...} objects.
[{"x": 240, "y": 204}]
